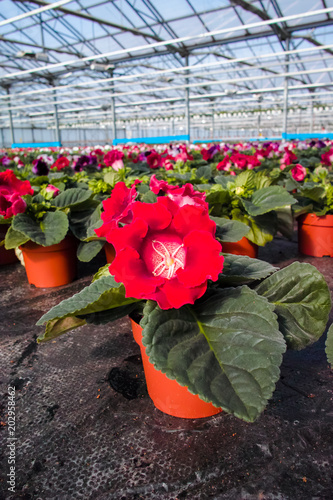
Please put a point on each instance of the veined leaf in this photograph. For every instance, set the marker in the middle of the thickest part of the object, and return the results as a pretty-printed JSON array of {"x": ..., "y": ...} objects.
[
  {"x": 57, "y": 327},
  {"x": 14, "y": 239},
  {"x": 227, "y": 350},
  {"x": 240, "y": 269},
  {"x": 87, "y": 250},
  {"x": 230, "y": 230},
  {"x": 50, "y": 230},
  {"x": 72, "y": 197},
  {"x": 267, "y": 199},
  {"x": 302, "y": 302},
  {"x": 104, "y": 293}
]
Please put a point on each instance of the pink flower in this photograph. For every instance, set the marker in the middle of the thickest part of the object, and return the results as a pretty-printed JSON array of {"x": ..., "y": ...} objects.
[
  {"x": 184, "y": 195},
  {"x": 298, "y": 172},
  {"x": 327, "y": 158},
  {"x": 118, "y": 165},
  {"x": 224, "y": 165},
  {"x": 11, "y": 191},
  {"x": 154, "y": 160},
  {"x": 52, "y": 189}
]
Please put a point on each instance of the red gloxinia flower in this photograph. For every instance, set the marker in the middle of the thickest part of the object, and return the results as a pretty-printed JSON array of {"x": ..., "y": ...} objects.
[
  {"x": 327, "y": 158},
  {"x": 225, "y": 164},
  {"x": 61, "y": 163},
  {"x": 11, "y": 191},
  {"x": 117, "y": 208},
  {"x": 167, "y": 253},
  {"x": 154, "y": 160}
]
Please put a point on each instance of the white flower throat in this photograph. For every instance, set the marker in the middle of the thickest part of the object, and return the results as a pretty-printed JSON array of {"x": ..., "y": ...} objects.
[{"x": 168, "y": 258}]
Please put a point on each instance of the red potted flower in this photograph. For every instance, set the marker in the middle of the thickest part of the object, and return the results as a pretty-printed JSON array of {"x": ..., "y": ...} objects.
[{"x": 212, "y": 327}]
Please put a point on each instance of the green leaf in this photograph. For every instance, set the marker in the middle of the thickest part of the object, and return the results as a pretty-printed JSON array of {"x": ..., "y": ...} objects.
[
  {"x": 50, "y": 230},
  {"x": 221, "y": 196},
  {"x": 240, "y": 269},
  {"x": 229, "y": 230},
  {"x": 87, "y": 250},
  {"x": 313, "y": 192},
  {"x": 104, "y": 317},
  {"x": 204, "y": 172},
  {"x": 82, "y": 223},
  {"x": 227, "y": 350},
  {"x": 58, "y": 327},
  {"x": 223, "y": 180},
  {"x": 245, "y": 179},
  {"x": 72, "y": 197},
  {"x": 149, "y": 197},
  {"x": 302, "y": 302},
  {"x": 261, "y": 228},
  {"x": 267, "y": 199},
  {"x": 329, "y": 345},
  {"x": 14, "y": 238},
  {"x": 285, "y": 221},
  {"x": 102, "y": 271},
  {"x": 103, "y": 294}
]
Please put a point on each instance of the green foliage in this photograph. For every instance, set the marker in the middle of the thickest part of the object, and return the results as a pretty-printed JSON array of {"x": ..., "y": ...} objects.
[
  {"x": 229, "y": 230},
  {"x": 72, "y": 197},
  {"x": 49, "y": 230},
  {"x": 87, "y": 250},
  {"x": 302, "y": 302},
  {"x": 266, "y": 199},
  {"x": 240, "y": 269},
  {"x": 227, "y": 349},
  {"x": 14, "y": 239}
]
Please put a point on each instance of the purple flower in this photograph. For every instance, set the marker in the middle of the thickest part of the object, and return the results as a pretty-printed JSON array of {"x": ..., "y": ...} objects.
[
  {"x": 83, "y": 162},
  {"x": 40, "y": 167}
]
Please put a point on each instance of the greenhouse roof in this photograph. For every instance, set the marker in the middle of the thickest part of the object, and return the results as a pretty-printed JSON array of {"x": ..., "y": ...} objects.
[{"x": 144, "y": 54}]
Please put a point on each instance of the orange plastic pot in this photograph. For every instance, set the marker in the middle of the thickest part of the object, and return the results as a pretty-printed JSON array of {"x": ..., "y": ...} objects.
[
  {"x": 50, "y": 266},
  {"x": 110, "y": 252},
  {"x": 315, "y": 235},
  {"x": 241, "y": 247},
  {"x": 6, "y": 256},
  {"x": 166, "y": 394}
]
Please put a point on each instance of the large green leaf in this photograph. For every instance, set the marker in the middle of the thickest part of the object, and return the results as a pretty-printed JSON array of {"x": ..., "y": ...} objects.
[
  {"x": 227, "y": 350},
  {"x": 221, "y": 196},
  {"x": 223, "y": 180},
  {"x": 285, "y": 221},
  {"x": 267, "y": 199},
  {"x": 51, "y": 229},
  {"x": 82, "y": 223},
  {"x": 245, "y": 179},
  {"x": 302, "y": 302},
  {"x": 104, "y": 317},
  {"x": 72, "y": 197},
  {"x": 104, "y": 293},
  {"x": 204, "y": 172},
  {"x": 240, "y": 269},
  {"x": 329, "y": 345},
  {"x": 58, "y": 327},
  {"x": 313, "y": 192},
  {"x": 229, "y": 230},
  {"x": 87, "y": 250},
  {"x": 14, "y": 238}
]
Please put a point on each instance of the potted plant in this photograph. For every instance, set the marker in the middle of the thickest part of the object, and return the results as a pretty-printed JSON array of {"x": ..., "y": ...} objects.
[
  {"x": 42, "y": 231},
  {"x": 314, "y": 212},
  {"x": 214, "y": 324}
]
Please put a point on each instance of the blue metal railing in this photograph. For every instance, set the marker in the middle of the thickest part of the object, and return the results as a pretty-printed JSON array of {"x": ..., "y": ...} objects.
[
  {"x": 164, "y": 139},
  {"x": 36, "y": 144}
]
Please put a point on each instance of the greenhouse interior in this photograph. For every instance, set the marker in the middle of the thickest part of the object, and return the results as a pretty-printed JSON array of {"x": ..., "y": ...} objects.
[{"x": 166, "y": 244}]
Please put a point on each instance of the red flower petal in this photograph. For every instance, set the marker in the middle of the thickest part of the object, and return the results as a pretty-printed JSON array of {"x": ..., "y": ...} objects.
[
  {"x": 191, "y": 217},
  {"x": 129, "y": 269},
  {"x": 128, "y": 236},
  {"x": 174, "y": 295},
  {"x": 156, "y": 215},
  {"x": 203, "y": 259}
]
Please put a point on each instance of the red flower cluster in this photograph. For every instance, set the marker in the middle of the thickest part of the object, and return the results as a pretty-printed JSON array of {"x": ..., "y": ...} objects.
[
  {"x": 239, "y": 160},
  {"x": 327, "y": 158},
  {"x": 11, "y": 192},
  {"x": 166, "y": 253},
  {"x": 112, "y": 156}
]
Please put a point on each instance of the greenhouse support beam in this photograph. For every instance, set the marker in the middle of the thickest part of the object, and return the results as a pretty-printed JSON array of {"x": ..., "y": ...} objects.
[
  {"x": 187, "y": 104},
  {"x": 56, "y": 118},
  {"x": 12, "y": 135},
  {"x": 113, "y": 110},
  {"x": 311, "y": 115},
  {"x": 285, "y": 94}
]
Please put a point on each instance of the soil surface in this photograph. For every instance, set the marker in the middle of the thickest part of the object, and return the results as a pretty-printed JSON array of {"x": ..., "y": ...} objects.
[{"x": 87, "y": 429}]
